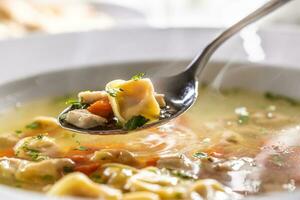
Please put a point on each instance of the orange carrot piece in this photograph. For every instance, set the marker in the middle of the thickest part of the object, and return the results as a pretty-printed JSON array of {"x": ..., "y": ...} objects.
[
  {"x": 101, "y": 108},
  {"x": 7, "y": 153},
  {"x": 87, "y": 168}
]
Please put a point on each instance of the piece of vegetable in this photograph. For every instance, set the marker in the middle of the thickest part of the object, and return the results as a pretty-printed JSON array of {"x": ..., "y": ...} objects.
[
  {"x": 101, "y": 108},
  {"x": 18, "y": 132},
  {"x": 87, "y": 168},
  {"x": 33, "y": 125},
  {"x": 243, "y": 115},
  {"x": 200, "y": 155},
  {"x": 138, "y": 76},
  {"x": 82, "y": 148},
  {"x": 135, "y": 122},
  {"x": 113, "y": 91},
  {"x": 75, "y": 104}
]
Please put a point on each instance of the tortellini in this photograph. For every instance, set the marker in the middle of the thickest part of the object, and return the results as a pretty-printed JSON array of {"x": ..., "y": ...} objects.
[
  {"x": 136, "y": 97},
  {"x": 209, "y": 189},
  {"x": 114, "y": 155},
  {"x": 78, "y": 184},
  {"x": 36, "y": 148},
  {"x": 34, "y": 172}
]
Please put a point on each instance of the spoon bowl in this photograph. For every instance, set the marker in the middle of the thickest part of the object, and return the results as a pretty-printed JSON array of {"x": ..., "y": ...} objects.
[
  {"x": 181, "y": 90},
  {"x": 179, "y": 98}
]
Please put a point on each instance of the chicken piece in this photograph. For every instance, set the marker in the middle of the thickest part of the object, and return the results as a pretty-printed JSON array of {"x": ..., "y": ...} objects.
[
  {"x": 78, "y": 184},
  {"x": 84, "y": 119},
  {"x": 43, "y": 171},
  {"x": 36, "y": 148},
  {"x": 115, "y": 156},
  {"x": 9, "y": 166},
  {"x": 180, "y": 164},
  {"x": 37, "y": 172},
  {"x": 92, "y": 96},
  {"x": 160, "y": 98},
  {"x": 8, "y": 140}
]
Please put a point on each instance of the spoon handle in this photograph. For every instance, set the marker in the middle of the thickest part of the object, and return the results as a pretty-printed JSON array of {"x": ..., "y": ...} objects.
[{"x": 200, "y": 61}]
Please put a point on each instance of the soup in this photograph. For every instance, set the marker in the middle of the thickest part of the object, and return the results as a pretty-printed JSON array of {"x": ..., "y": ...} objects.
[{"x": 230, "y": 144}]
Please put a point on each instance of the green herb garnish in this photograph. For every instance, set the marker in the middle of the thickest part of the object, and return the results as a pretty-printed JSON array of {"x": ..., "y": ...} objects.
[
  {"x": 276, "y": 97},
  {"x": 63, "y": 116},
  {"x": 48, "y": 178},
  {"x": 81, "y": 148},
  {"x": 113, "y": 92},
  {"x": 181, "y": 174},
  {"x": 96, "y": 178},
  {"x": 243, "y": 115},
  {"x": 75, "y": 104},
  {"x": 18, "y": 132},
  {"x": 39, "y": 136},
  {"x": 34, "y": 154},
  {"x": 277, "y": 160},
  {"x": 33, "y": 125},
  {"x": 138, "y": 76},
  {"x": 243, "y": 119},
  {"x": 200, "y": 155},
  {"x": 135, "y": 122}
]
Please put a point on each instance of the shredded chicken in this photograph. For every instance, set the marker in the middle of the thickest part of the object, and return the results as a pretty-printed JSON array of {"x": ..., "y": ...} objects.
[
  {"x": 92, "y": 96},
  {"x": 84, "y": 119}
]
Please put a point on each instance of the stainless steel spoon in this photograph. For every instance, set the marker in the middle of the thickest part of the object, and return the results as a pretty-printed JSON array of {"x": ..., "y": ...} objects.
[{"x": 181, "y": 90}]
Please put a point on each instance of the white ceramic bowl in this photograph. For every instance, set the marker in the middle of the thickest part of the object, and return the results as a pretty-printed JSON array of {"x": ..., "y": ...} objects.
[{"x": 54, "y": 65}]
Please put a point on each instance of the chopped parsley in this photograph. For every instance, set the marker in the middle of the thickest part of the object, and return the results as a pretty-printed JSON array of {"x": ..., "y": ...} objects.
[
  {"x": 113, "y": 92},
  {"x": 138, "y": 76},
  {"x": 243, "y": 115},
  {"x": 34, "y": 154},
  {"x": 81, "y": 148},
  {"x": 200, "y": 155},
  {"x": 96, "y": 178},
  {"x": 276, "y": 97},
  {"x": 18, "y": 132},
  {"x": 63, "y": 116},
  {"x": 71, "y": 101},
  {"x": 75, "y": 104},
  {"x": 33, "y": 125},
  {"x": 135, "y": 122},
  {"x": 181, "y": 174},
  {"x": 39, "y": 136},
  {"x": 277, "y": 160},
  {"x": 48, "y": 178}
]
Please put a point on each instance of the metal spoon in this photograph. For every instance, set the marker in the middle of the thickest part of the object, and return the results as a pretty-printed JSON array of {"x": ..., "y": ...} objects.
[{"x": 181, "y": 90}]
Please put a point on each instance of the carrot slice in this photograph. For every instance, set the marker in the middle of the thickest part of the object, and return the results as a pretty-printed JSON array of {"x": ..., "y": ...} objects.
[
  {"x": 101, "y": 108},
  {"x": 87, "y": 168},
  {"x": 7, "y": 153}
]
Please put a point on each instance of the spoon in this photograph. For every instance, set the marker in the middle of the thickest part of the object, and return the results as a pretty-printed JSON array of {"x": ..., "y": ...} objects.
[{"x": 181, "y": 90}]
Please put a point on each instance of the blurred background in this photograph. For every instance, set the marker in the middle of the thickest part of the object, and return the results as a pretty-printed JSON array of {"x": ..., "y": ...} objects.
[{"x": 19, "y": 18}]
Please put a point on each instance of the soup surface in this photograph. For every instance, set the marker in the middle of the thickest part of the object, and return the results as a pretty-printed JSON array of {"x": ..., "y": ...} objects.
[{"x": 230, "y": 144}]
